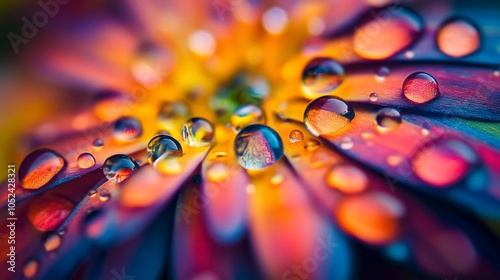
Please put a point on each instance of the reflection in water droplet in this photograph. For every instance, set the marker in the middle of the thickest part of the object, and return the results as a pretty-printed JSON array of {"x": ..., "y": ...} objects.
[
  {"x": 326, "y": 115},
  {"x": 312, "y": 144},
  {"x": 458, "y": 38},
  {"x": 246, "y": 115},
  {"x": 296, "y": 136},
  {"x": 30, "y": 268},
  {"x": 198, "y": 132},
  {"x": 382, "y": 73},
  {"x": 388, "y": 118},
  {"x": 258, "y": 146},
  {"x": 443, "y": 164},
  {"x": 217, "y": 172},
  {"x": 346, "y": 143},
  {"x": 173, "y": 113},
  {"x": 163, "y": 145},
  {"x": 86, "y": 160},
  {"x": 52, "y": 242},
  {"x": 420, "y": 88},
  {"x": 39, "y": 167},
  {"x": 119, "y": 167},
  {"x": 347, "y": 178},
  {"x": 373, "y": 97},
  {"x": 127, "y": 128},
  {"x": 167, "y": 165},
  {"x": 385, "y": 32},
  {"x": 321, "y": 75},
  {"x": 98, "y": 143}
]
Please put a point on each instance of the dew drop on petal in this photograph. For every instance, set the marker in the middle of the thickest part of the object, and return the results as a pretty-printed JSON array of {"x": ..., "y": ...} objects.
[
  {"x": 381, "y": 36},
  {"x": 277, "y": 179},
  {"x": 48, "y": 212},
  {"x": 198, "y": 132},
  {"x": 321, "y": 75},
  {"x": 382, "y": 73},
  {"x": 104, "y": 195},
  {"x": 420, "y": 88},
  {"x": 326, "y": 115},
  {"x": 296, "y": 136},
  {"x": 30, "y": 268},
  {"x": 274, "y": 20},
  {"x": 443, "y": 164},
  {"x": 202, "y": 43},
  {"x": 39, "y": 167},
  {"x": 388, "y": 118},
  {"x": 119, "y": 167},
  {"x": 258, "y": 146},
  {"x": 394, "y": 160},
  {"x": 127, "y": 128},
  {"x": 86, "y": 160},
  {"x": 458, "y": 38},
  {"x": 52, "y": 242},
  {"x": 347, "y": 178},
  {"x": 167, "y": 165},
  {"x": 98, "y": 143},
  {"x": 346, "y": 143},
  {"x": 373, "y": 97},
  {"x": 246, "y": 115},
  {"x": 163, "y": 145},
  {"x": 92, "y": 193},
  {"x": 312, "y": 144}
]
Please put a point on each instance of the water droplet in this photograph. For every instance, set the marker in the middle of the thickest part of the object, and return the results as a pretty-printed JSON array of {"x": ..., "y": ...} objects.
[
  {"x": 382, "y": 73},
  {"x": 48, "y": 212},
  {"x": 373, "y": 97},
  {"x": 388, "y": 118},
  {"x": 118, "y": 168},
  {"x": 39, "y": 167},
  {"x": 394, "y": 160},
  {"x": 52, "y": 242},
  {"x": 92, "y": 193},
  {"x": 385, "y": 32},
  {"x": 321, "y": 75},
  {"x": 296, "y": 136},
  {"x": 246, "y": 115},
  {"x": 30, "y": 268},
  {"x": 98, "y": 143},
  {"x": 127, "y": 128},
  {"x": 151, "y": 65},
  {"x": 347, "y": 178},
  {"x": 346, "y": 143},
  {"x": 258, "y": 146},
  {"x": 420, "y": 88},
  {"x": 202, "y": 43},
  {"x": 458, "y": 37},
  {"x": 409, "y": 54},
  {"x": 277, "y": 179},
  {"x": 168, "y": 165},
  {"x": 496, "y": 72},
  {"x": 312, "y": 144},
  {"x": 163, "y": 145},
  {"x": 326, "y": 115},
  {"x": 274, "y": 20},
  {"x": 198, "y": 132},
  {"x": 217, "y": 172},
  {"x": 104, "y": 195},
  {"x": 443, "y": 164},
  {"x": 86, "y": 160},
  {"x": 173, "y": 113}
]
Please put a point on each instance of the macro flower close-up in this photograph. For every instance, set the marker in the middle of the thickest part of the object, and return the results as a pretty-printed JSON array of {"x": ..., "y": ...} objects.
[{"x": 250, "y": 139}]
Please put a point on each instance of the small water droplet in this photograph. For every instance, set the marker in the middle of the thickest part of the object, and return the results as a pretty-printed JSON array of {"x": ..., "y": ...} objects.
[
  {"x": 274, "y": 20},
  {"x": 246, "y": 115},
  {"x": 92, "y": 193},
  {"x": 98, "y": 143},
  {"x": 127, "y": 128},
  {"x": 347, "y": 178},
  {"x": 218, "y": 172},
  {"x": 367, "y": 134},
  {"x": 119, "y": 167},
  {"x": 104, "y": 195},
  {"x": 496, "y": 72},
  {"x": 202, "y": 43},
  {"x": 382, "y": 73},
  {"x": 394, "y": 160},
  {"x": 420, "y": 88},
  {"x": 379, "y": 39},
  {"x": 277, "y": 179},
  {"x": 258, "y": 146},
  {"x": 326, "y": 115},
  {"x": 312, "y": 144},
  {"x": 409, "y": 54},
  {"x": 321, "y": 75},
  {"x": 86, "y": 160},
  {"x": 173, "y": 113},
  {"x": 458, "y": 37},
  {"x": 198, "y": 132},
  {"x": 346, "y": 143},
  {"x": 161, "y": 145},
  {"x": 167, "y": 165},
  {"x": 296, "y": 136},
  {"x": 388, "y": 118},
  {"x": 30, "y": 268},
  {"x": 250, "y": 189},
  {"x": 373, "y": 97},
  {"x": 39, "y": 167},
  {"x": 52, "y": 242}
]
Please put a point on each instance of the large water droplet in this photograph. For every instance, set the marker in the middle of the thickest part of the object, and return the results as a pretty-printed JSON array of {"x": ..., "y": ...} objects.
[
  {"x": 48, "y": 212},
  {"x": 321, "y": 75},
  {"x": 86, "y": 160},
  {"x": 347, "y": 178},
  {"x": 258, "y": 146},
  {"x": 420, "y": 88},
  {"x": 246, "y": 115},
  {"x": 326, "y": 115},
  {"x": 30, "y": 268},
  {"x": 458, "y": 37},
  {"x": 52, "y": 242},
  {"x": 296, "y": 136},
  {"x": 127, "y": 128},
  {"x": 388, "y": 118},
  {"x": 161, "y": 145},
  {"x": 119, "y": 167},
  {"x": 198, "y": 132},
  {"x": 173, "y": 113},
  {"x": 385, "y": 32},
  {"x": 443, "y": 164},
  {"x": 39, "y": 167}
]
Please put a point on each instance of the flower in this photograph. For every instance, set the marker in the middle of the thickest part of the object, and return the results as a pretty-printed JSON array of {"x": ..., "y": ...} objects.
[{"x": 240, "y": 139}]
